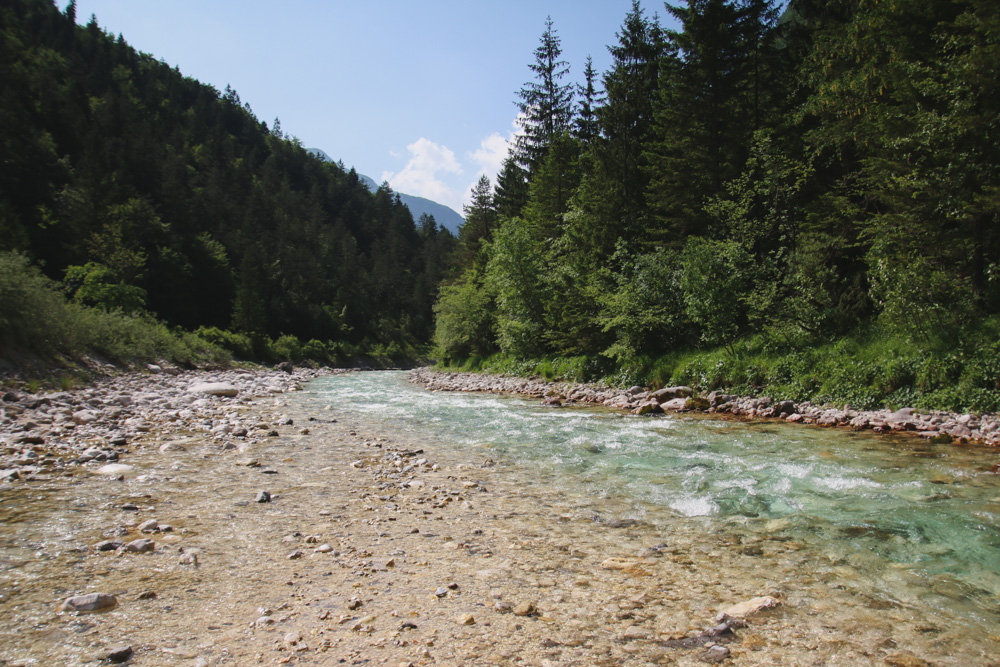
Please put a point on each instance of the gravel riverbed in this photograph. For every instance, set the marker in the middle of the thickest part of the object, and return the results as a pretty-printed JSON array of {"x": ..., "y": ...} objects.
[{"x": 215, "y": 518}]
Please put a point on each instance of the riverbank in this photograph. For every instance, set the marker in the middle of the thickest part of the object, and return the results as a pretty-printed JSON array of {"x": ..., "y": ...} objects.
[
  {"x": 938, "y": 426},
  {"x": 270, "y": 528}
]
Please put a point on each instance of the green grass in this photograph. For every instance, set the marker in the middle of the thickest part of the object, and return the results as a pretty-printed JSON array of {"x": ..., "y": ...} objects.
[{"x": 867, "y": 370}]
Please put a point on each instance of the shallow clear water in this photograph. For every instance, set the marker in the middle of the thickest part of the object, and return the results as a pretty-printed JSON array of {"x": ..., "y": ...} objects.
[{"x": 917, "y": 523}]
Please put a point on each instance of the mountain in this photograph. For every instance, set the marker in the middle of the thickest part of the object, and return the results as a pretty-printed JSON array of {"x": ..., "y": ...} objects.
[{"x": 445, "y": 216}]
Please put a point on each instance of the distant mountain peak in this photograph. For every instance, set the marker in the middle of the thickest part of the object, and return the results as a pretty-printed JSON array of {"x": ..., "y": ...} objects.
[{"x": 443, "y": 215}]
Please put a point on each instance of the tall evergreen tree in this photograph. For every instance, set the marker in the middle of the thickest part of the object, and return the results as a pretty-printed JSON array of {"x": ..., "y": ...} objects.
[
  {"x": 545, "y": 104},
  {"x": 479, "y": 227},
  {"x": 709, "y": 104},
  {"x": 511, "y": 193},
  {"x": 586, "y": 126},
  {"x": 614, "y": 193}
]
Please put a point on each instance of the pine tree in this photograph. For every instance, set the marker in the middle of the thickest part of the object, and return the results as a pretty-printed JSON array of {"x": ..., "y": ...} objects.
[
  {"x": 546, "y": 106},
  {"x": 710, "y": 102},
  {"x": 480, "y": 224},
  {"x": 614, "y": 195},
  {"x": 511, "y": 193},
  {"x": 587, "y": 127}
]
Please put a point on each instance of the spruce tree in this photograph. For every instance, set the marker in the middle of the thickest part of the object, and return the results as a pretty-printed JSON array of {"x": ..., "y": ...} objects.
[{"x": 546, "y": 106}]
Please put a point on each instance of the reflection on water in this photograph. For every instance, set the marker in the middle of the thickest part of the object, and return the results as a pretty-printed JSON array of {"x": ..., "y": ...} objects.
[{"x": 918, "y": 523}]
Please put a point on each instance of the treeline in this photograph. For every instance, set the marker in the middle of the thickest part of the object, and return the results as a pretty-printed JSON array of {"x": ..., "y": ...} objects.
[
  {"x": 756, "y": 182},
  {"x": 142, "y": 191}
]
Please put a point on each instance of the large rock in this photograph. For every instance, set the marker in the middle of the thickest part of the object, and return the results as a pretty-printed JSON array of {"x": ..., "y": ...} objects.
[
  {"x": 674, "y": 405},
  {"x": 89, "y": 602},
  {"x": 214, "y": 389},
  {"x": 668, "y": 393}
]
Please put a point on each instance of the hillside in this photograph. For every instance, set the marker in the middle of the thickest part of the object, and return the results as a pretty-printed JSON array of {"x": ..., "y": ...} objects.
[{"x": 145, "y": 191}]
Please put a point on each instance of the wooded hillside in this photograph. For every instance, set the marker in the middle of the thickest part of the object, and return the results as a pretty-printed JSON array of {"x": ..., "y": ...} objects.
[{"x": 144, "y": 190}]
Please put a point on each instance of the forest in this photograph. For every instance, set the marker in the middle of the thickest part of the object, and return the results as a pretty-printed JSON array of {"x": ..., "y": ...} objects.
[
  {"x": 145, "y": 193},
  {"x": 794, "y": 198},
  {"x": 798, "y": 198}
]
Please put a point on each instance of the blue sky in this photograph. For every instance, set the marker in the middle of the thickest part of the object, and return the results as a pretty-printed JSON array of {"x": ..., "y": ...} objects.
[{"x": 417, "y": 92}]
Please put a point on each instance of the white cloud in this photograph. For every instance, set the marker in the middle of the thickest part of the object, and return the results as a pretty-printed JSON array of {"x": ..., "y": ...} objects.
[
  {"x": 491, "y": 154},
  {"x": 421, "y": 175}
]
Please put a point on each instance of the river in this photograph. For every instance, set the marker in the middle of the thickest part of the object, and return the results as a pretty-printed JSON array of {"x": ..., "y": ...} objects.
[{"x": 407, "y": 526}]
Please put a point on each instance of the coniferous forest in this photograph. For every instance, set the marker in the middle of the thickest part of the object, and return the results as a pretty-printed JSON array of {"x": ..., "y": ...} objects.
[
  {"x": 797, "y": 198},
  {"x": 144, "y": 191}
]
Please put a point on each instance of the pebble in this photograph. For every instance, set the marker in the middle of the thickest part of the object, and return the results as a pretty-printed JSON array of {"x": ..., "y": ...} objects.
[
  {"x": 750, "y": 607},
  {"x": 714, "y": 654},
  {"x": 118, "y": 654},
  {"x": 223, "y": 389},
  {"x": 139, "y": 546},
  {"x": 466, "y": 619},
  {"x": 524, "y": 609},
  {"x": 903, "y": 659},
  {"x": 89, "y": 602},
  {"x": 107, "y": 545},
  {"x": 263, "y": 497},
  {"x": 149, "y": 526}
]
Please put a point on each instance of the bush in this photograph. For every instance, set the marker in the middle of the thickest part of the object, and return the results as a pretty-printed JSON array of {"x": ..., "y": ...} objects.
[
  {"x": 286, "y": 348},
  {"x": 35, "y": 317},
  {"x": 239, "y": 345}
]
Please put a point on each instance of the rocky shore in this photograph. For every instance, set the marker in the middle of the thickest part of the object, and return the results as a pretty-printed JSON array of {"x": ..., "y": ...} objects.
[
  {"x": 57, "y": 433},
  {"x": 940, "y": 427}
]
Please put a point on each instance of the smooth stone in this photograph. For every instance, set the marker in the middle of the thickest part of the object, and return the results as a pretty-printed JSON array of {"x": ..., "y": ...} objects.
[
  {"x": 901, "y": 659},
  {"x": 114, "y": 469},
  {"x": 214, "y": 389},
  {"x": 118, "y": 654},
  {"x": 619, "y": 564},
  {"x": 140, "y": 546},
  {"x": 263, "y": 497},
  {"x": 751, "y": 607},
  {"x": 524, "y": 609},
  {"x": 148, "y": 526},
  {"x": 84, "y": 417},
  {"x": 89, "y": 602},
  {"x": 636, "y": 632},
  {"x": 714, "y": 654},
  {"x": 107, "y": 545},
  {"x": 172, "y": 447}
]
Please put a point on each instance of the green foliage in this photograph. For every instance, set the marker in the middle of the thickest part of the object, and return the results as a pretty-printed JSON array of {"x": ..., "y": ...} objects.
[
  {"x": 646, "y": 310},
  {"x": 286, "y": 348},
  {"x": 716, "y": 280},
  {"x": 237, "y": 344},
  {"x": 35, "y": 317},
  {"x": 98, "y": 286},
  {"x": 464, "y": 321},
  {"x": 33, "y": 313},
  {"x": 515, "y": 277}
]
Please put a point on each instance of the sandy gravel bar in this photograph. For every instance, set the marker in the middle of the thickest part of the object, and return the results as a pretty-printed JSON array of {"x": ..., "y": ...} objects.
[{"x": 256, "y": 529}]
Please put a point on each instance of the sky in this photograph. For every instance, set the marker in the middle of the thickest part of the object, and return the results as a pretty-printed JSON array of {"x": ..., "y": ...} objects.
[{"x": 419, "y": 93}]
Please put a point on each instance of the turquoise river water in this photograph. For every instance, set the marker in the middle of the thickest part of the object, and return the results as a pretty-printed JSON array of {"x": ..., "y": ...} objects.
[{"x": 920, "y": 522}]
